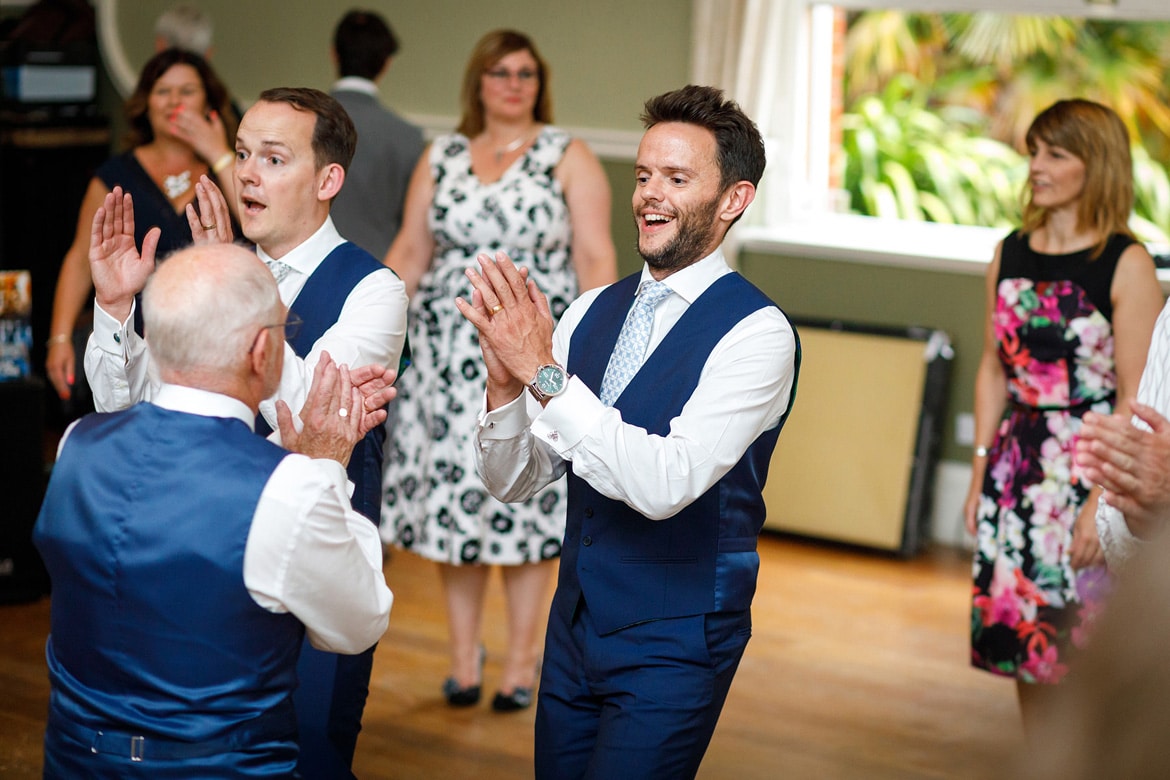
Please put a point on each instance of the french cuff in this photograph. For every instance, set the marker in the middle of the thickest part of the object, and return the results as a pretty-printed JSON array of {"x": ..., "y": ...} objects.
[
  {"x": 506, "y": 422},
  {"x": 267, "y": 409},
  {"x": 109, "y": 334},
  {"x": 337, "y": 474},
  {"x": 568, "y": 418}
]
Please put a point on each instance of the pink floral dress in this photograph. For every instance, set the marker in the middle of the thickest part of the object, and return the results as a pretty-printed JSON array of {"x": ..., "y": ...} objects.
[{"x": 1052, "y": 321}]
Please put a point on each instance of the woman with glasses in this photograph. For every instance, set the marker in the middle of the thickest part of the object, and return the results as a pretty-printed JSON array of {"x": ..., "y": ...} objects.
[{"x": 505, "y": 180}]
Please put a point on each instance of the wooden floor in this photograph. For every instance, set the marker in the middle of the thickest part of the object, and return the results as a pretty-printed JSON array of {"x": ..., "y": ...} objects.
[{"x": 857, "y": 668}]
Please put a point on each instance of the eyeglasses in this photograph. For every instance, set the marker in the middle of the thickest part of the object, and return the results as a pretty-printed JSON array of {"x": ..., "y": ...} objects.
[
  {"x": 501, "y": 74},
  {"x": 292, "y": 326}
]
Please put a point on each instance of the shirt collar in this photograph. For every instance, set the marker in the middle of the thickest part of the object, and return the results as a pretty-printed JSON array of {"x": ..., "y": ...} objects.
[
  {"x": 306, "y": 256},
  {"x": 691, "y": 282},
  {"x": 355, "y": 84},
  {"x": 205, "y": 403}
]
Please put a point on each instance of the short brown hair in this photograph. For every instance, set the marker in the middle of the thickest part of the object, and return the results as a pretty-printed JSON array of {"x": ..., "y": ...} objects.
[
  {"x": 1096, "y": 136},
  {"x": 490, "y": 49},
  {"x": 138, "y": 104},
  {"x": 740, "y": 148},
  {"x": 334, "y": 136},
  {"x": 363, "y": 41}
]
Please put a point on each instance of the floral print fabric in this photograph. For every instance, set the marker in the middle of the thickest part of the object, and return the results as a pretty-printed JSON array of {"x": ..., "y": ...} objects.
[
  {"x": 433, "y": 502},
  {"x": 1030, "y": 608}
]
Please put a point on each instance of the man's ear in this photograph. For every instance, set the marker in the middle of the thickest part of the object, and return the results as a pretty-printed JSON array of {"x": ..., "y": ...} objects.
[
  {"x": 330, "y": 179},
  {"x": 736, "y": 199},
  {"x": 259, "y": 354}
]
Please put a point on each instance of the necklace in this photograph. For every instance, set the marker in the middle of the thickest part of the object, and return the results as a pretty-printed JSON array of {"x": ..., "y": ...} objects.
[
  {"x": 503, "y": 150},
  {"x": 178, "y": 184}
]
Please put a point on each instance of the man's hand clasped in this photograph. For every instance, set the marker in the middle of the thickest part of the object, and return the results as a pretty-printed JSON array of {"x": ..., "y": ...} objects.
[
  {"x": 341, "y": 407},
  {"x": 514, "y": 322},
  {"x": 1132, "y": 465}
]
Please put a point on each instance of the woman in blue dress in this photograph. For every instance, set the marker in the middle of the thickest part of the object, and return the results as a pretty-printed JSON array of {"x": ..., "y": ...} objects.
[{"x": 181, "y": 127}]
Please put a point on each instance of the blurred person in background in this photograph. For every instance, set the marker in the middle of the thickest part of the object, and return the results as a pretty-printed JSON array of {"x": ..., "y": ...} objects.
[{"x": 505, "y": 180}]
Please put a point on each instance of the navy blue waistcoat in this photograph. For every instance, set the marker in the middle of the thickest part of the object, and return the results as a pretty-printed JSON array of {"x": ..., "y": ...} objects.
[
  {"x": 631, "y": 569},
  {"x": 319, "y": 304},
  {"x": 143, "y": 531}
]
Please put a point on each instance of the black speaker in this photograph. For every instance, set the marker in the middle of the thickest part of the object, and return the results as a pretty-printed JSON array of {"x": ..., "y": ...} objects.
[{"x": 22, "y": 475}]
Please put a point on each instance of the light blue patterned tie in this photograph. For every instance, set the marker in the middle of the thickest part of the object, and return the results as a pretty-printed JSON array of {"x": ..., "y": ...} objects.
[
  {"x": 279, "y": 270},
  {"x": 630, "y": 349}
]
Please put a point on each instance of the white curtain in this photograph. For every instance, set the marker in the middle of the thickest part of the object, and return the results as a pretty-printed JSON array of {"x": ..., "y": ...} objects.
[{"x": 760, "y": 53}]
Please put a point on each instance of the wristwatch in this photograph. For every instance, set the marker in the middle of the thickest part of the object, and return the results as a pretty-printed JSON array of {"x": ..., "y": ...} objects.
[{"x": 550, "y": 380}]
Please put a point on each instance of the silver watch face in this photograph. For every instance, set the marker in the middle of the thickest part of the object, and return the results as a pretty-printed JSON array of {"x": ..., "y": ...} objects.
[{"x": 550, "y": 380}]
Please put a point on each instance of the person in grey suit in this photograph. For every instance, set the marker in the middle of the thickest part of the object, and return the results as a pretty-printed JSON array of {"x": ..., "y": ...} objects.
[{"x": 368, "y": 210}]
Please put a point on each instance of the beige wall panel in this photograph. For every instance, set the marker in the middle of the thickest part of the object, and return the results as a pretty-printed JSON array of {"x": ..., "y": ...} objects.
[{"x": 841, "y": 469}]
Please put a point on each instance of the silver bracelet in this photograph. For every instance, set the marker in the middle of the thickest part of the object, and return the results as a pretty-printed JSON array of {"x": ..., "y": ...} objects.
[{"x": 981, "y": 451}]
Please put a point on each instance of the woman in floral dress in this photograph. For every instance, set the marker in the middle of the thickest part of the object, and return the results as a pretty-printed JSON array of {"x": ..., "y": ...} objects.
[
  {"x": 506, "y": 180},
  {"x": 1071, "y": 304}
]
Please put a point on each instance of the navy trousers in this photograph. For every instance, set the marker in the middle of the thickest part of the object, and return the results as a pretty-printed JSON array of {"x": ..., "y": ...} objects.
[
  {"x": 330, "y": 697},
  {"x": 641, "y": 702},
  {"x": 332, "y": 689}
]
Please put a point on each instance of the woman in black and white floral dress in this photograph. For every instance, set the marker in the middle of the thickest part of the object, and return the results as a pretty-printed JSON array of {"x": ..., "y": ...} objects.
[{"x": 506, "y": 180}]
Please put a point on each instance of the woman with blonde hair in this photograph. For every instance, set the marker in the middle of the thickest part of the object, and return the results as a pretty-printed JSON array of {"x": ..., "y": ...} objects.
[
  {"x": 1071, "y": 303},
  {"x": 505, "y": 180}
]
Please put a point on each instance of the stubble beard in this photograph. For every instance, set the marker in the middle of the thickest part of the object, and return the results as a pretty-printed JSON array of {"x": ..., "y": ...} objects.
[{"x": 694, "y": 233}]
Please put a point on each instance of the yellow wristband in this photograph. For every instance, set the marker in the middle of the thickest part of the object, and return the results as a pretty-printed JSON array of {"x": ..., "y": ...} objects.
[
  {"x": 224, "y": 161},
  {"x": 60, "y": 338}
]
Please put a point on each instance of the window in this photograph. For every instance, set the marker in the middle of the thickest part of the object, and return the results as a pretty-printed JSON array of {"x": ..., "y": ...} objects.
[{"x": 794, "y": 92}]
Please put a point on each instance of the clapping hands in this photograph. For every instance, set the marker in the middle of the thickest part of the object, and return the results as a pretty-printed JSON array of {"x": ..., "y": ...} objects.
[
  {"x": 119, "y": 270},
  {"x": 341, "y": 407}
]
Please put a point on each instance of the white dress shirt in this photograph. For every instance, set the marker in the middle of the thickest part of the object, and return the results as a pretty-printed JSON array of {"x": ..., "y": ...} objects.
[
  {"x": 308, "y": 552},
  {"x": 743, "y": 390},
  {"x": 1118, "y": 543},
  {"x": 371, "y": 328},
  {"x": 355, "y": 84}
]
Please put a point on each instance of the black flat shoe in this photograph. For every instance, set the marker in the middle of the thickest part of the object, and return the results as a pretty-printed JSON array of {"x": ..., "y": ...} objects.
[
  {"x": 460, "y": 697},
  {"x": 518, "y": 699},
  {"x": 464, "y": 697}
]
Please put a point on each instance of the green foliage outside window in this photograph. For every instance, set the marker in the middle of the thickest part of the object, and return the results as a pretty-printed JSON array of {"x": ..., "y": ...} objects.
[{"x": 937, "y": 106}]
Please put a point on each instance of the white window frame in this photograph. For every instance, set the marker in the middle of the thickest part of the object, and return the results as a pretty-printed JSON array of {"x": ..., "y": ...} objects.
[{"x": 793, "y": 216}]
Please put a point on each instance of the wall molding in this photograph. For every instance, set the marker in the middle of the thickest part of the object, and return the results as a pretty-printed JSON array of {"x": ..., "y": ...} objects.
[{"x": 609, "y": 145}]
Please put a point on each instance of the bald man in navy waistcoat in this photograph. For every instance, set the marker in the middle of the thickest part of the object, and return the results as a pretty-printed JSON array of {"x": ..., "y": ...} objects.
[{"x": 179, "y": 606}]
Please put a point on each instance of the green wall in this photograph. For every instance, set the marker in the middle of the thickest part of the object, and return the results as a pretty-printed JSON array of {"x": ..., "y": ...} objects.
[
  {"x": 895, "y": 297},
  {"x": 625, "y": 235},
  {"x": 606, "y": 56}
]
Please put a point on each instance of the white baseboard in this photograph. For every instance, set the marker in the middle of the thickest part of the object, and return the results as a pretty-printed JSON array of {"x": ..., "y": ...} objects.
[{"x": 951, "y": 479}]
